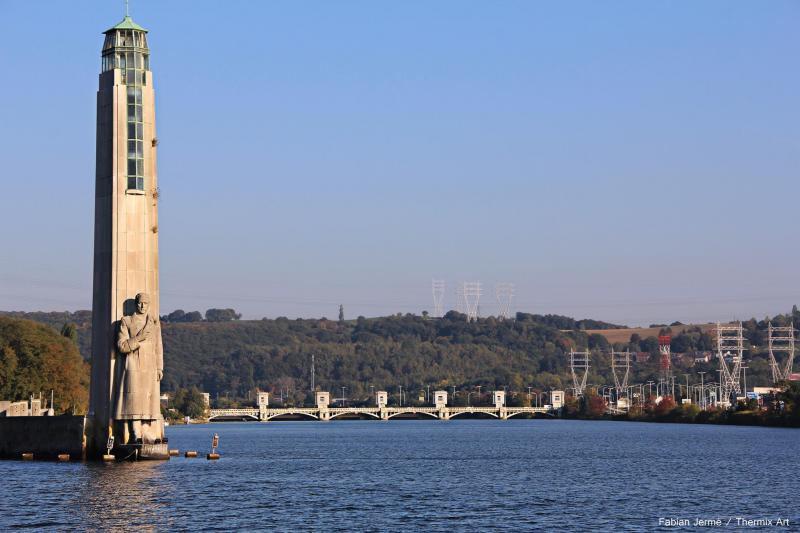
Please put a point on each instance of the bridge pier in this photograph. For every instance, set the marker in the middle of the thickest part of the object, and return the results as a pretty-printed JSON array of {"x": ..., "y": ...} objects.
[
  {"x": 500, "y": 404},
  {"x": 440, "y": 402},
  {"x": 263, "y": 406},
  {"x": 381, "y": 400},
  {"x": 323, "y": 399}
]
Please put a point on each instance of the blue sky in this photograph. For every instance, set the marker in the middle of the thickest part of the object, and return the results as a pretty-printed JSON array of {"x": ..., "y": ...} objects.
[{"x": 630, "y": 161}]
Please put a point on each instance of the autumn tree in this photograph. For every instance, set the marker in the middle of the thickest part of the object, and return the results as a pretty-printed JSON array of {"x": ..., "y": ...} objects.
[{"x": 35, "y": 358}]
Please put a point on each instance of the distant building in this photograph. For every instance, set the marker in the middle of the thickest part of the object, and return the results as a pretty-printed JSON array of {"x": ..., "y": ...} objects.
[
  {"x": 764, "y": 391},
  {"x": 440, "y": 399},
  {"x": 9, "y": 409},
  {"x": 642, "y": 357},
  {"x": 381, "y": 398},
  {"x": 557, "y": 399},
  {"x": 702, "y": 357},
  {"x": 323, "y": 399},
  {"x": 262, "y": 399}
]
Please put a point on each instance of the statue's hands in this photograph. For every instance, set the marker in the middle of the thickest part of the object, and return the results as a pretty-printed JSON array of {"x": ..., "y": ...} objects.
[
  {"x": 142, "y": 336},
  {"x": 131, "y": 345}
]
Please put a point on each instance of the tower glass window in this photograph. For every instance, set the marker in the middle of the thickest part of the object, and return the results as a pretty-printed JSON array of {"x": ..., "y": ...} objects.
[{"x": 125, "y": 49}]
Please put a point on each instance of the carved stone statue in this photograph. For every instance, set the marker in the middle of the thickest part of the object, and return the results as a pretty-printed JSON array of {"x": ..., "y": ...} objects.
[{"x": 138, "y": 371}]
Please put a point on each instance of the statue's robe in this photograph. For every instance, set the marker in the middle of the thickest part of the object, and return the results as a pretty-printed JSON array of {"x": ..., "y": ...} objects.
[{"x": 137, "y": 390}]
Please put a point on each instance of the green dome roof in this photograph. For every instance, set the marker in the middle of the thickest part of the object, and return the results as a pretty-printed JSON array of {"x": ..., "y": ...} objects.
[{"x": 126, "y": 24}]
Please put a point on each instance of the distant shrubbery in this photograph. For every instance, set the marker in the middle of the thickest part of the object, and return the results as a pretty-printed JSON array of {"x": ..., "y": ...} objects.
[
  {"x": 35, "y": 359},
  {"x": 212, "y": 315},
  {"x": 186, "y": 402},
  {"x": 782, "y": 410}
]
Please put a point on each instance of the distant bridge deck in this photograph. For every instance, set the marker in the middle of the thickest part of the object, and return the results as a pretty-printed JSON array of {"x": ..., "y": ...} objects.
[{"x": 378, "y": 413}]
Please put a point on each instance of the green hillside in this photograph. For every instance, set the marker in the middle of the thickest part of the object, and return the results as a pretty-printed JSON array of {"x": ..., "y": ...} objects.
[
  {"x": 35, "y": 358},
  {"x": 232, "y": 358}
]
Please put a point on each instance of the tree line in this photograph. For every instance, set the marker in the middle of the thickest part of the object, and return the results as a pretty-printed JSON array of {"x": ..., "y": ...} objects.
[
  {"x": 231, "y": 358},
  {"x": 35, "y": 358}
]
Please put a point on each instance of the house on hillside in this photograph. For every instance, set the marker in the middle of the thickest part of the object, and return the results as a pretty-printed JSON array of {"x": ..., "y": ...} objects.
[{"x": 702, "y": 357}]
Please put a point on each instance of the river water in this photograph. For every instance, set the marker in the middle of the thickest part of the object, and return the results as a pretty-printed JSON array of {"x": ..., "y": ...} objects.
[{"x": 515, "y": 475}]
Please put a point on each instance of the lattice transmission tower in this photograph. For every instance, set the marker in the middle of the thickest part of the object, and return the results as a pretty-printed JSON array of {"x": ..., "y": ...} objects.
[
  {"x": 579, "y": 366},
  {"x": 730, "y": 343},
  {"x": 781, "y": 340},
  {"x": 504, "y": 292},
  {"x": 471, "y": 291},
  {"x": 438, "y": 286},
  {"x": 460, "y": 298},
  {"x": 665, "y": 361},
  {"x": 621, "y": 368}
]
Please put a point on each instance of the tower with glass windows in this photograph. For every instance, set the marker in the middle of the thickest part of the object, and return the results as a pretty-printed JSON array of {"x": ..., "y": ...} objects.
[{"x": 126, "y": 208}]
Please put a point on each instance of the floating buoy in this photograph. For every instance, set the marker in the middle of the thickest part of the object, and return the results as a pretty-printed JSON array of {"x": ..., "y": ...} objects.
[
  {"x": 63, "y": 457},
  {"x": 109, "y": 457},
  {"x": 174, "y": 453},
  {"x": 212, "y": 456},
  {"x": 190, "y": 454},
  {"x": 27, "y": 457}
]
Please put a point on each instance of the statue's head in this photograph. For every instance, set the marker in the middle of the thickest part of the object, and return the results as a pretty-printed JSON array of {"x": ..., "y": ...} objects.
[{"x": 142, "y": 303}]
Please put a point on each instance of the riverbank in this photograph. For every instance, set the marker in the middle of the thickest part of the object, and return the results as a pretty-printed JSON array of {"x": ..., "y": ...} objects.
[{"x": 781, "y": 411}]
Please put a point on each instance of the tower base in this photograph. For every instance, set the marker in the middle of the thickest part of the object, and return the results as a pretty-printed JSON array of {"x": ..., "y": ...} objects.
[{"x": 142, "y": 452}]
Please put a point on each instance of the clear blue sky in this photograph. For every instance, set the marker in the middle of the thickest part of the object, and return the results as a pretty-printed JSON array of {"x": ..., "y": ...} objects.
[{"x": 629, "y": 161}]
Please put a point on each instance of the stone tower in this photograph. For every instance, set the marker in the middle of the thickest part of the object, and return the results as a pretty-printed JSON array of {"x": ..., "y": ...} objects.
[{"x": 126, "y": 211}]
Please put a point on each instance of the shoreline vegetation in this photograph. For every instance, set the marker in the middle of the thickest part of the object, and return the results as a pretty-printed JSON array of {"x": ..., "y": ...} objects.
[{"x": 780, "y": 410}]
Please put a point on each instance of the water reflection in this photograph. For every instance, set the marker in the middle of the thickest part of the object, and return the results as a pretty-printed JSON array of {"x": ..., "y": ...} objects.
[{"x": 124, "y": 496}]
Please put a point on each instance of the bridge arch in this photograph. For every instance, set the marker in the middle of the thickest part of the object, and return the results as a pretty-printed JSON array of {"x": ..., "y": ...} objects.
[
  {"x": 509, "y": 415},
  {"x": 231, "y": 418},
  {"x": 487, "y": 413},
  {"x": 432, "y": 415},
  {"x": 359, "y": 413},
  {"x": 293, "y": 413}
]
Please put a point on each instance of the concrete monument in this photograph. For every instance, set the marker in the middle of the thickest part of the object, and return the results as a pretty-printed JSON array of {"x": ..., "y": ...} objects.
[
  {"x": 140, "y": 367},
  {"x": 127, "y": 360}
]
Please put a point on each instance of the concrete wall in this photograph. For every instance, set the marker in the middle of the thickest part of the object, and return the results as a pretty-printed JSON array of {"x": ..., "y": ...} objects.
[
  {"x": 8, "y": 409},
  {"x": 43, "y": 436}
]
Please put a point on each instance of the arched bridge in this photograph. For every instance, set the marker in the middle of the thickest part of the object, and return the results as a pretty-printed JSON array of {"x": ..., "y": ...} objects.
[{"x": 325, "y": 413}]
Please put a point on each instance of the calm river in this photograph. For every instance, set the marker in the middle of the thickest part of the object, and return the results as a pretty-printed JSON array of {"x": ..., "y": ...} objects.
[{"x": 517, "y": 475}]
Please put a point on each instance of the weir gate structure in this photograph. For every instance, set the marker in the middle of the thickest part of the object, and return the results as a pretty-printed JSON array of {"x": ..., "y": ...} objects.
[{"x": 324, "y": 412}]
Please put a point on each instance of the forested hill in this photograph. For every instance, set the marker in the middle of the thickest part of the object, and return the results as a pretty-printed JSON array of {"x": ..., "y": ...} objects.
[
  {"x": 35, "y": 359},
  {"x": 236, "y": 356},
  {"x": 227, "y": 356}
]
